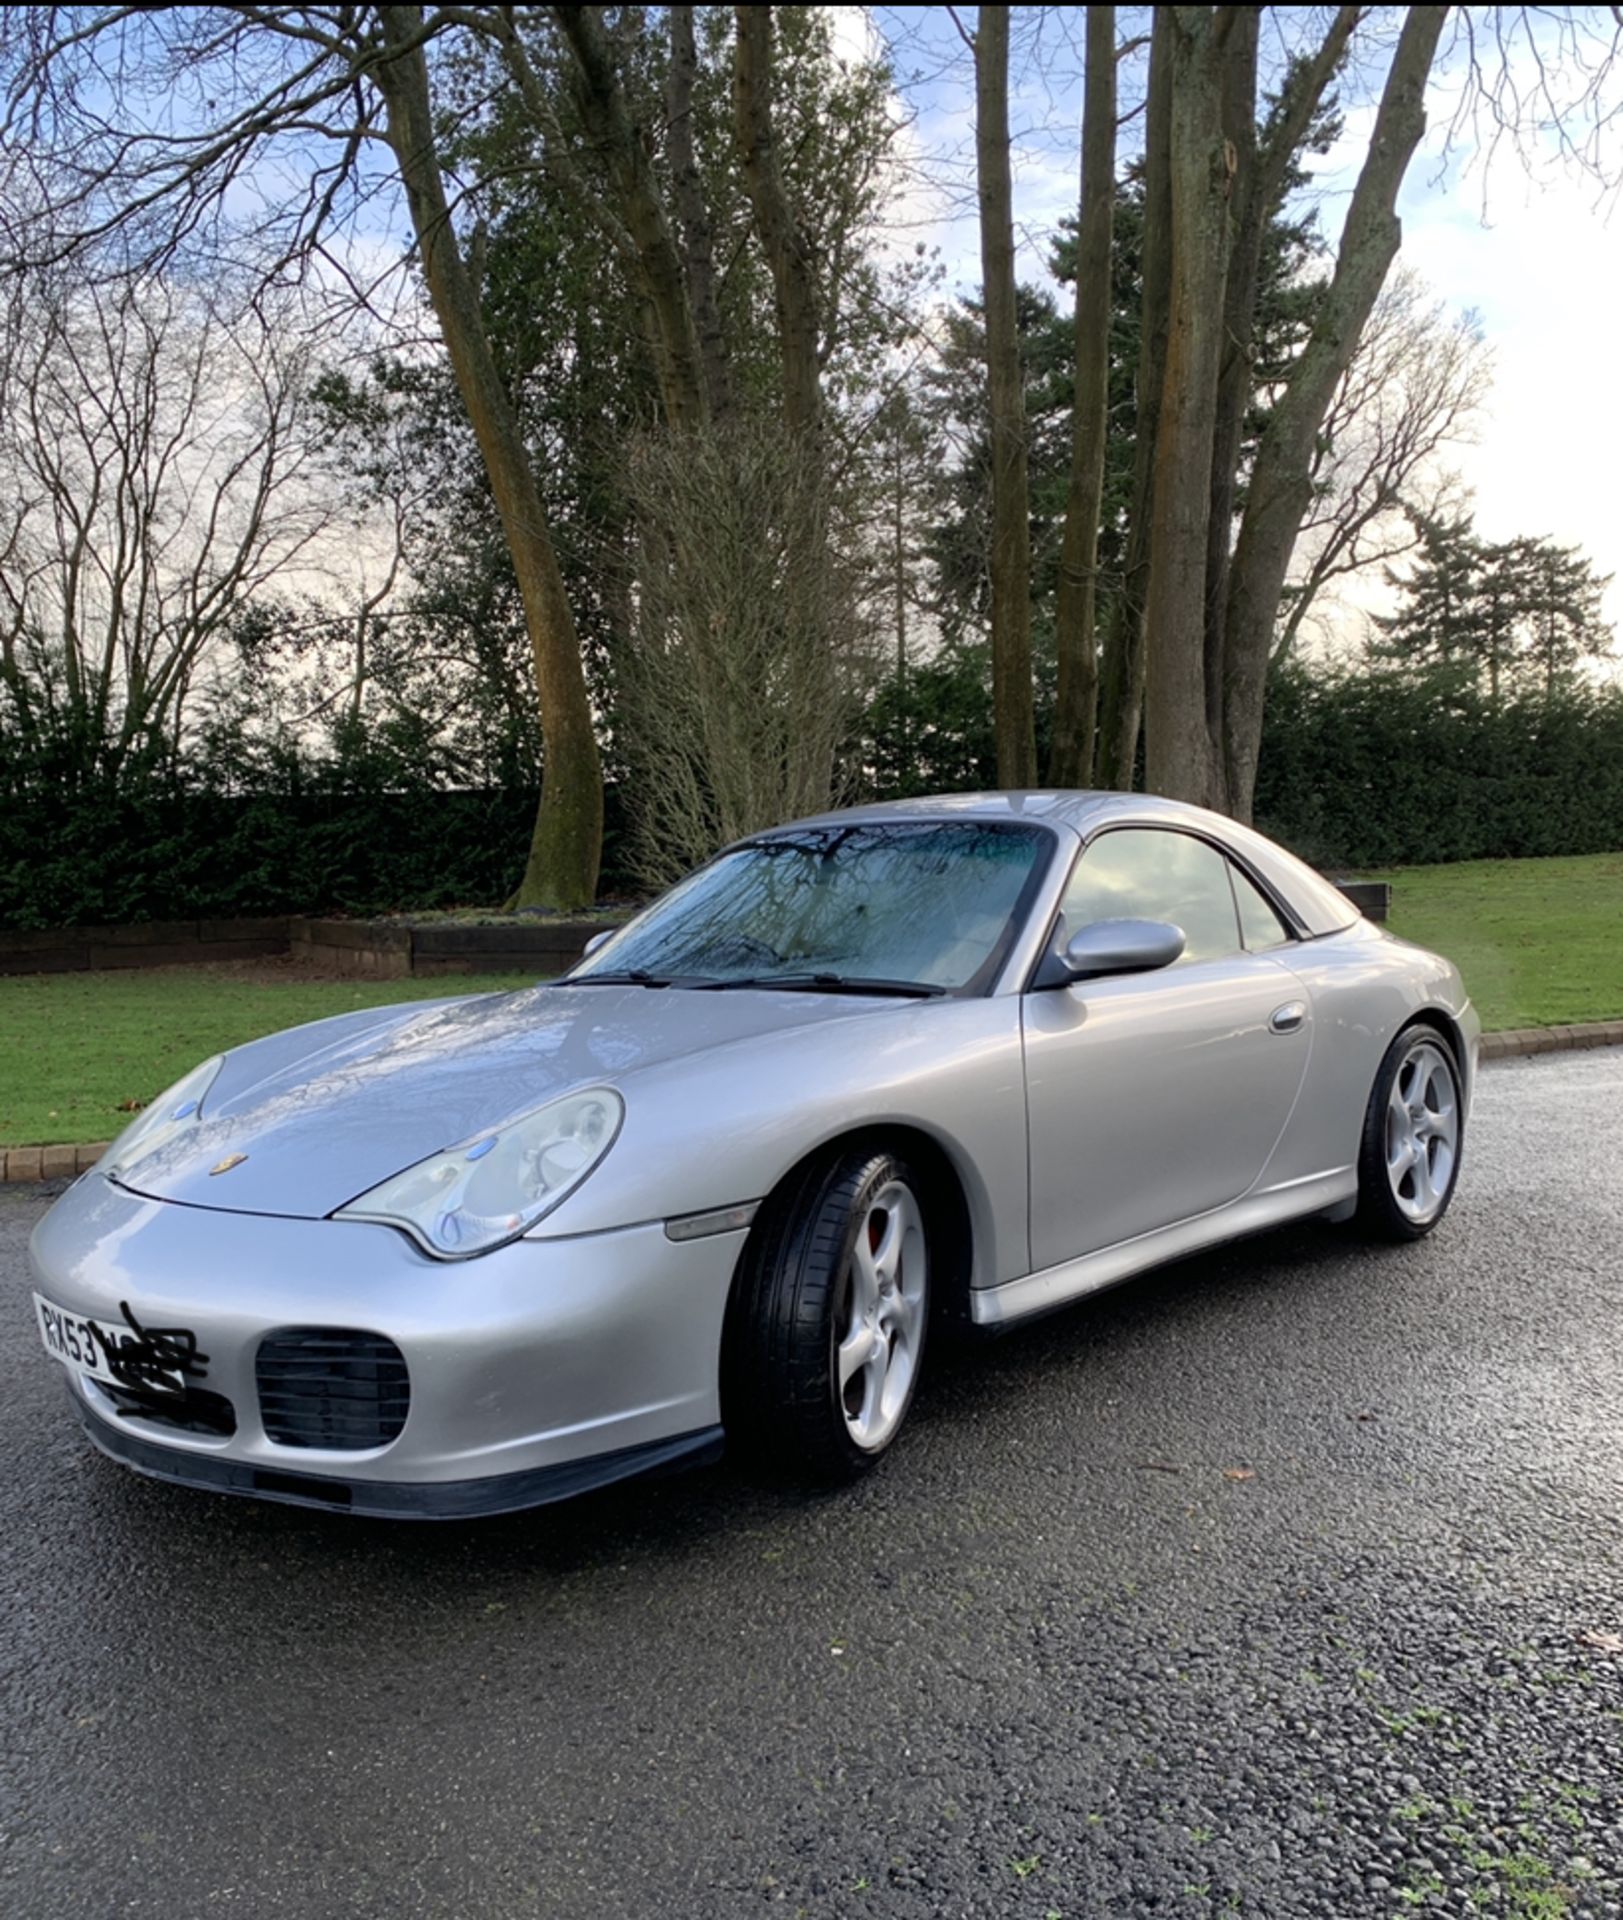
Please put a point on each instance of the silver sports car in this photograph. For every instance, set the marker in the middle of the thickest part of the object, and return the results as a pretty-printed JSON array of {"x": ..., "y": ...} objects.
[{"x": 947, "y": 1061}]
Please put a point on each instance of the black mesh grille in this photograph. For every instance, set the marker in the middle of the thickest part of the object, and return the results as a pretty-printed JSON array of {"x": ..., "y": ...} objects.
[
  {"x": 194, "y": 1411},
  {"x": 332, "y": 1387}
]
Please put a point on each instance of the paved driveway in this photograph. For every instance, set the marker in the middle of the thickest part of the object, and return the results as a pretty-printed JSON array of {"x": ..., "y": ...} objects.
[{"x": 1058, "y": 1658}]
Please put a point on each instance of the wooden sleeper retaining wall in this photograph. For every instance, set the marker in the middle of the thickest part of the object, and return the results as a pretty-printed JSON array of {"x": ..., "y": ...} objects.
[
  {"x": 373, "y": 950},
  {"x": 369, "y": 949},
  {"x": 150, "y": 944}
]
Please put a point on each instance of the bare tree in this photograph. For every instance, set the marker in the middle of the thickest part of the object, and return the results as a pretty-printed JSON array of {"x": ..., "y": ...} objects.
[
  {"x": 1280, "y": 488},
  {"x": 348, "y": 637},
  {"x": 1077, "y": 693},
  {"x": 1262, "y": 167},
  {"x": 1014, "y": 721},
  {"x": 745, "y": 655},
  {"x": 697, "y": 640},
  {"x": 566, "y": 848},
  {"x": 1206, "y": 652},
  {"x": 1415, "y": 387},
  {"x": 143, "y": 123},
  {"x": 1211, "y": 629},
  {"x": 158, "y": 469}
]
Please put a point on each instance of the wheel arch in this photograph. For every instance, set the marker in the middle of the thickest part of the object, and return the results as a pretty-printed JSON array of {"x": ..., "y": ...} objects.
[
  {"x": 949, "y": 1211},
  {"x": 1441, "y": 1021},
  {"x": 1380, "y": 1209}
]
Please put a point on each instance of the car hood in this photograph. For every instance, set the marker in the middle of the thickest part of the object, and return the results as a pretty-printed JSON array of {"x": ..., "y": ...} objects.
[{"x": 321, "y": 1114}]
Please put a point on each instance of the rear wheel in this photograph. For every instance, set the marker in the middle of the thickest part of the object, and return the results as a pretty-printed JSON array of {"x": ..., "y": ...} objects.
[
  {"x": 826, "y": 1331},
  {"x": 1413, "y": 1132}
]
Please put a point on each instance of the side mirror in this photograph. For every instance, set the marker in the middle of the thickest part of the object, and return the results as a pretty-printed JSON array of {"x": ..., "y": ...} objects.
[
  {"x": 1122, "y": 946},
  {"x": 596, "y": 941}
]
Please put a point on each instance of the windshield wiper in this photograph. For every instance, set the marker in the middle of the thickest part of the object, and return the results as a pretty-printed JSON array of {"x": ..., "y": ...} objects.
[
  {"x": 830, "y": 983},
  {"x": 632, "y": 977}
]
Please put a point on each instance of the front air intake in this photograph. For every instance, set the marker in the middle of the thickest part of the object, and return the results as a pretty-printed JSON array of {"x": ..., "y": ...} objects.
[{"x": 332, "y": 1387}]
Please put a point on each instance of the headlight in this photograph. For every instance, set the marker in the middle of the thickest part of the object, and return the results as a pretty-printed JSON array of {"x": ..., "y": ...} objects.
[
  {"x": 169, "y": 1114},
  {"x": 492, "y": 1188}
]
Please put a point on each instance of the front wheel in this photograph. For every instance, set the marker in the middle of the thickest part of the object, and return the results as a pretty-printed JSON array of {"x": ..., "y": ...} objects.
[
  {"x": 826, "y": 1331},
  {"x": 1413, "y": 1131}
]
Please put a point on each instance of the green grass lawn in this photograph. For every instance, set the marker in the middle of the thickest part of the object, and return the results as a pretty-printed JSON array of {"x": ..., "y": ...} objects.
[
  {"x": 1540, "y": 942},
  {"x": 74, "y": 1047}
]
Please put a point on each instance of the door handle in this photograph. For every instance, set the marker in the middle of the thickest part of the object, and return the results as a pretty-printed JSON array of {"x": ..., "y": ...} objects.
[{"x": 1288, "y": 1018}]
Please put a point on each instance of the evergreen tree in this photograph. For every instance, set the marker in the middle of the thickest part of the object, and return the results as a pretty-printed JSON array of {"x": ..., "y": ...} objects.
[
  {"x": 1562, "y": 611},
  {"x": 1507, "y": 614}
]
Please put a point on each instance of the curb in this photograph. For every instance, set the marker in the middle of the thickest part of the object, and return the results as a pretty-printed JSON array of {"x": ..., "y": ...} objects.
[
  {"x": 49, "y": 1163},
  {"x": 19, "y": 1164},
  {"x": 1516, "y": 1043}
]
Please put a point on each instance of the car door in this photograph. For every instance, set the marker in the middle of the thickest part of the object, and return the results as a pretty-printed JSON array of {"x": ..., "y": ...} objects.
[{"x": 1154, "y": 1097}]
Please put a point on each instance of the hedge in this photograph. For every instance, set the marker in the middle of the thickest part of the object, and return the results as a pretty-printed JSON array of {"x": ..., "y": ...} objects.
[
  {"x": 1393, "y": 771},
  {"x": 1357, "y": 771}
]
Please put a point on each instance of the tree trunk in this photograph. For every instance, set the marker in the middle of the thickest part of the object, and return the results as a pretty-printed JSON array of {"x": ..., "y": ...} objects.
[
  {"x": 1077, "y": 695},
  {"x": 1281, "y": 484},
  {"x": 899, "y": 562},
  {"x": 1121, "y": 674},
  {"x": 568, "y": 841},
  {"x": 1249, "y": 220},
  {"x": 788, "y": 254},
  {"x": 1260, "y": 177},
  {"x": 660, "y": 273},
  {"x": 694, "y": 216},
  {"x": 1014, "y": 723},
  {"x": 1182, "y": 758}
]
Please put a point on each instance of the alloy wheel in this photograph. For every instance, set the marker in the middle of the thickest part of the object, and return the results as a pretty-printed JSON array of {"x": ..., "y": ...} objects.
[
  {"x": 1422, "y": 1131},
  {"x": 879, "y": 1327}
]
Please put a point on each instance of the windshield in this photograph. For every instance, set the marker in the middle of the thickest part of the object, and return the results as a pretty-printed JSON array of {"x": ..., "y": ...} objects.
[{"x": 905, "y": 904}]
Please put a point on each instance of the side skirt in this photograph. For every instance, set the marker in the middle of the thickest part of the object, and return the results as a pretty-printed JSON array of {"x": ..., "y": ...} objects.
[{"x": 1093, "y": 1272}]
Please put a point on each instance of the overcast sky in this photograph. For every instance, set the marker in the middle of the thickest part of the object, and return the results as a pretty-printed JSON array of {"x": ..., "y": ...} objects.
[{"x": 1539, "y": 261}]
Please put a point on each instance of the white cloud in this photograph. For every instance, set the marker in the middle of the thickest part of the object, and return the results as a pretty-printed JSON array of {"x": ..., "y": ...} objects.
[
  {"x": 1547, "y": 278},
  {"x": 1543, "y": 268},
  {"x": 853, "y": 34}
]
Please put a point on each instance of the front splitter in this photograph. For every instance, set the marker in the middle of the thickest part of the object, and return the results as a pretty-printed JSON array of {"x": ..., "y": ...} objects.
[{"x": 402, "y": 1500}]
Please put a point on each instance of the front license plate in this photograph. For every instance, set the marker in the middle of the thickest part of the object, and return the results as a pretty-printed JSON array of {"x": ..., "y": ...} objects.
[{"x": 91, "y": 1346}]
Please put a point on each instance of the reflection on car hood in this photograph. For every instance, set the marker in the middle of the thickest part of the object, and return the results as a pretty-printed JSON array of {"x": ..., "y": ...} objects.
[{"x": 322, "y": 1113}]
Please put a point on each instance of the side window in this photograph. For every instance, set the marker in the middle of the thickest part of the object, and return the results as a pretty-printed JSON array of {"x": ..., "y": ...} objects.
[
  {"x": 1144, "y": 873},
  {"x": 1260, "y": 925}
]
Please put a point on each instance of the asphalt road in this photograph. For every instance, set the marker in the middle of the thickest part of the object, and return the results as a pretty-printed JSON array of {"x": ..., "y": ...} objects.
[{"x": 1056, "y": 1658}]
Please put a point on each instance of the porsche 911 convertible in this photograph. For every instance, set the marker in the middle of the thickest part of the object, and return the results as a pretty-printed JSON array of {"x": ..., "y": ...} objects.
[{"x": 942, "y": 1063}]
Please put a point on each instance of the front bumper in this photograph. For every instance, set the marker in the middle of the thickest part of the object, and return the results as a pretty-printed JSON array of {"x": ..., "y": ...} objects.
[
  {"x": 400, "y": 1500},
  {"x": 535, "y": 1371}
]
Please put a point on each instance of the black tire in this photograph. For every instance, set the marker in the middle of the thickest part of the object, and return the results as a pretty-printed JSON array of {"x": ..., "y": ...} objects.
[
  {"x": 781, "y": 1401},
  {"x": 1380, "y": 1214}
]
